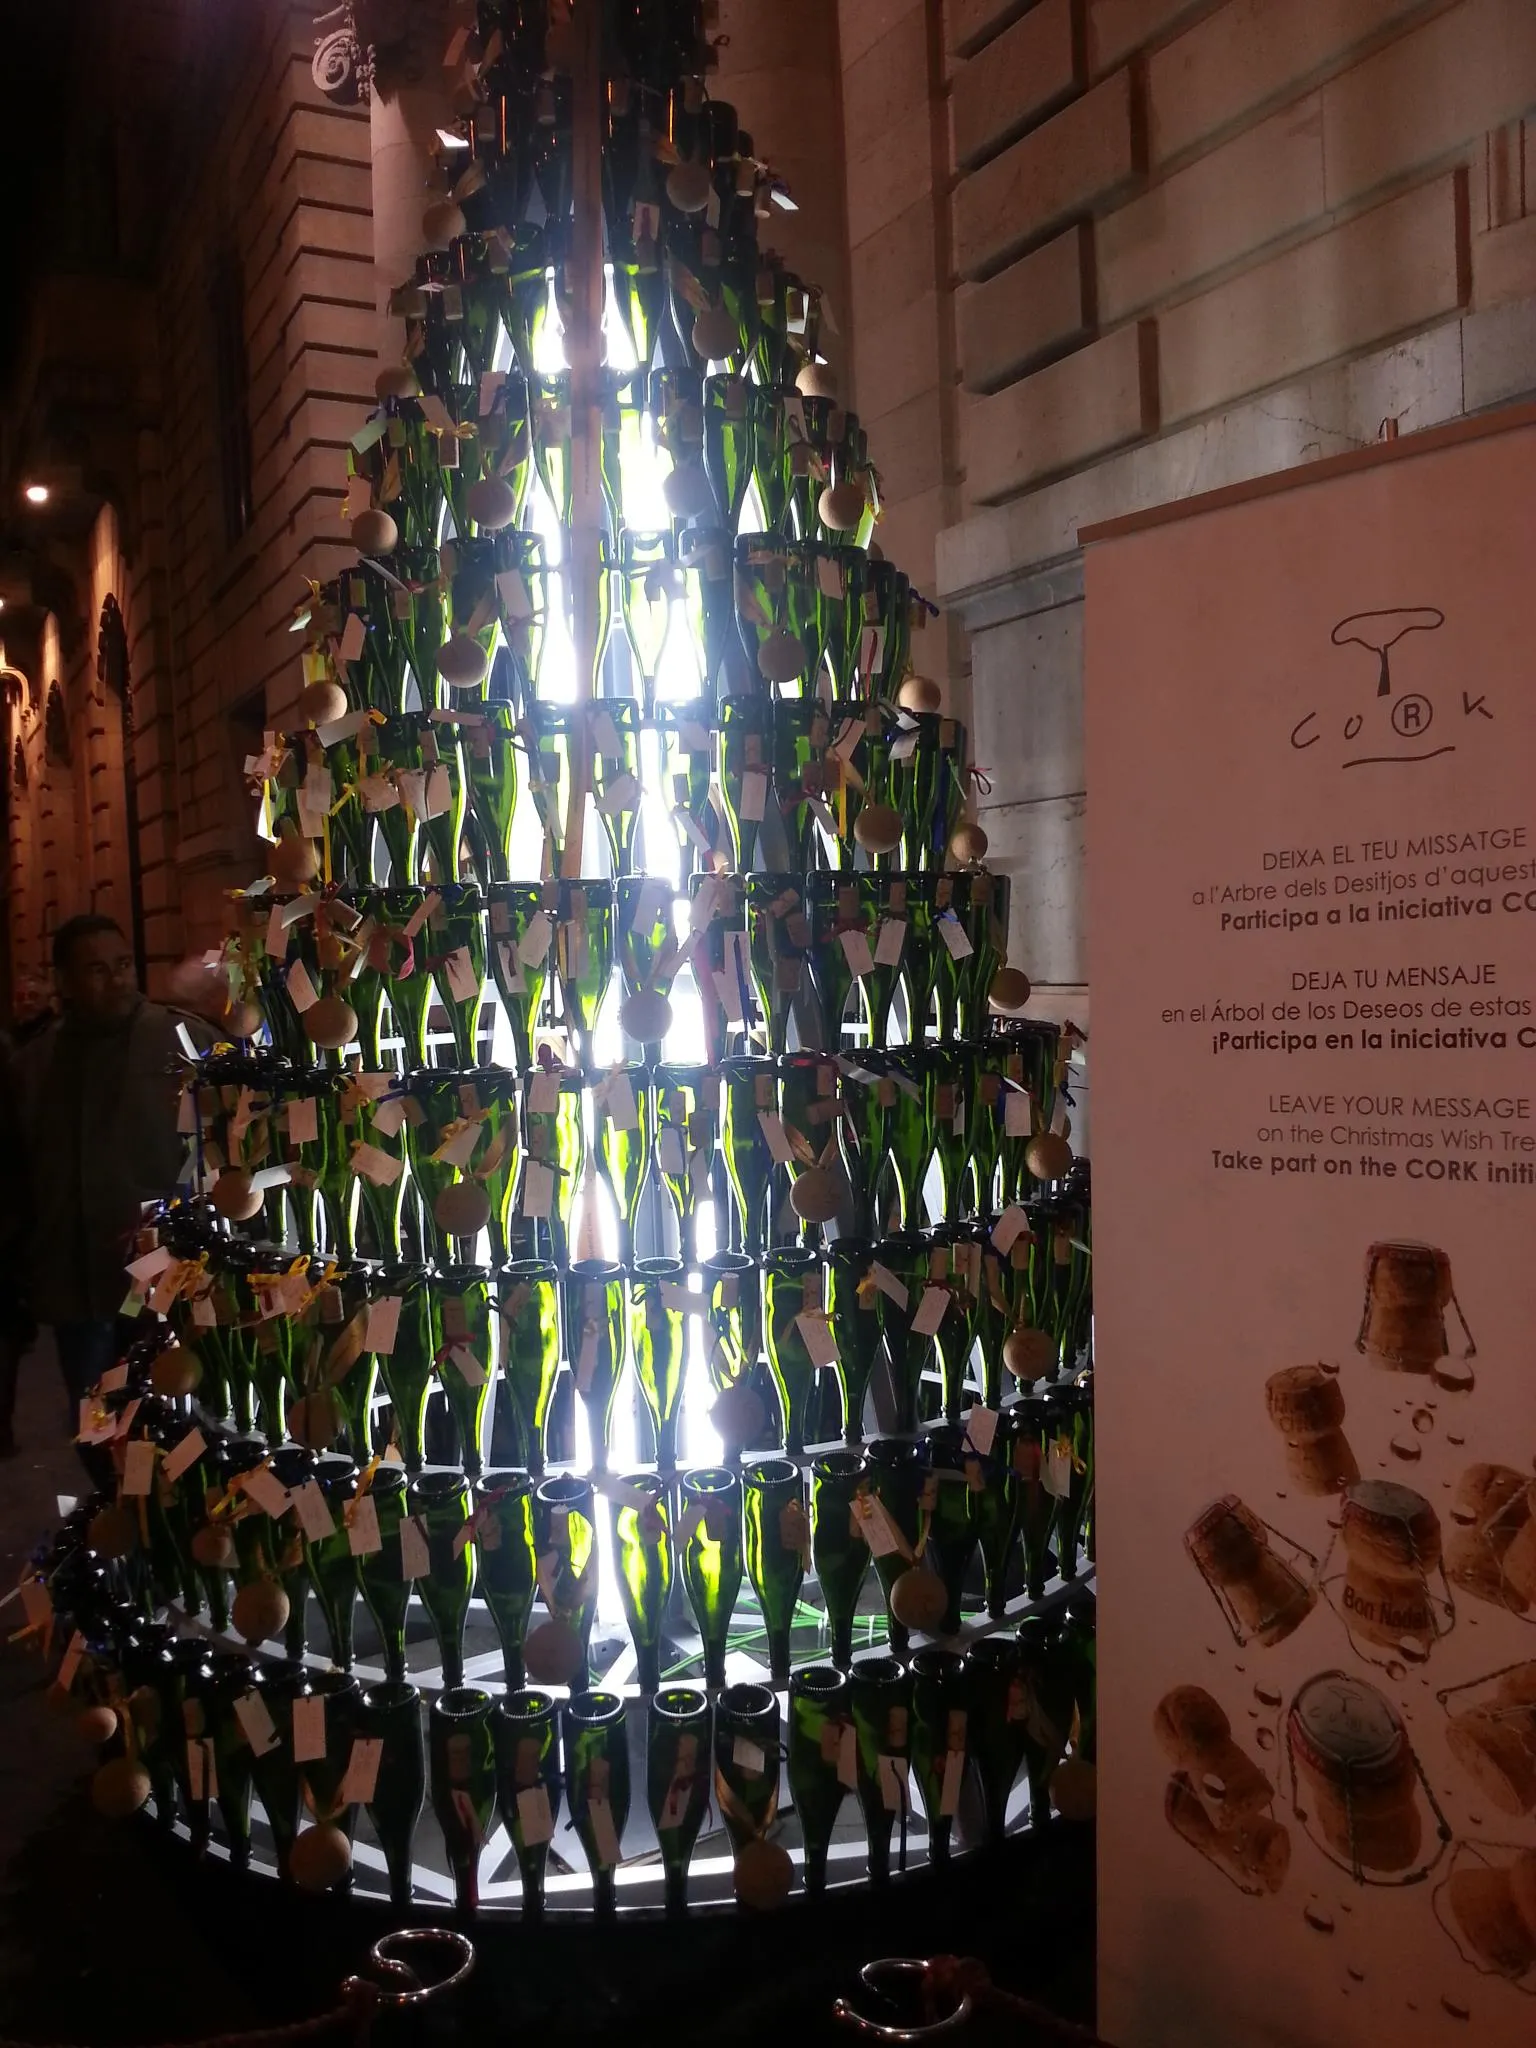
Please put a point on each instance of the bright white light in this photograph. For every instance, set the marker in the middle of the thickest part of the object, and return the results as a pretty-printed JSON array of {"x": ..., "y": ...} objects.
[{"x": 36, "y": 494}]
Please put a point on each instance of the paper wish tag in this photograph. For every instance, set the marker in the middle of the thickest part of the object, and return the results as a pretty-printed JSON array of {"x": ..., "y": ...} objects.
[
  {"x": 889, "y": 942},
  {"x": 301, "y": 990},
  {"x": 187, "y": 1452},
  {"x": 877, "y": 1528},
  {"x": 981, "y": 1429},
  {"x": 619, "y": 1097},
  {"x": 669, "y": 1150},
  {"x": 954, "y": 1778},
  {"x": 467, "y": 1366},
  {"x": 538, "y": 1189},
  {"x": 1056, "y": 1478},
  {"x": 848, "y": 1757},
  {"x": 463, "y": 981},
  {"x": 952, "y": 932},
  {"x": 856, "y": 951},
  {"x": 255, "y": 1722},
  {"x": 383, "y": 1324},
  {"x": 362, "y": 1772},
  {"x": 889, "y": 1284},
  {"x": 776, "y": 1137},
  {"x": 139, "y": 1467},
  {"x": 311, "y": 1512},
  {"x": 816, "y": 1335},
  {"x": 1009, "y": 1227},
  {"x": 534, "y": 1818},
  {"x": 605, "y": 1836},
  {"x": 754, "y": 796},
  {"x": 363, "y": 1537},
  {"x": 749, "y": 1756},
  {"x": 302, "y": 1117},
  {"x": 543, "y": 1094},
  {"x": 265, "y": 1488},
  {"x": 69, "y": 1663},
  {"x": 1018, "y": 1115},
  {"x": 309, "y": 1728},
  {"x": 930, "y": 1311},
  {"x": 415, "y": 1558}
]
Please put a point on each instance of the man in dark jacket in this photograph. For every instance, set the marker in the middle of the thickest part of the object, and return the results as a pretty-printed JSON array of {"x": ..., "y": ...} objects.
[{"x": 96, "y": 1099}]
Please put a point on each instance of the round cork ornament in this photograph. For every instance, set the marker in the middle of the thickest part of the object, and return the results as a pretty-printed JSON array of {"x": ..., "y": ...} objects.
[
  {"x": 1075, "y": 1789},
  {"x": 320, "y": 1857},
  {"x": 738, "y": 1415},
  {"x": 878, "y": 828},
  {"x": 330, "y": 1023},
  {"x": 396, "y": 380},
  {"x": 315, "y": 1419},
  {"x": 241, "y": 1020},
  {"x": 375, "y": 533},
  {"x": 96, "y": 1724},
  {"x": 918, "y": 1599},
  {"x": 689, "y": 186},
  {"x": 1009, "y": 992},
  {"x": 462, "y": 662},
  {"x": 763, "y": 1876},
  {"x": 235, "y": 1197},
  {"x": 816, "y": 380},
  {"x": 113, "y": 1532},
  {"x": 815, "y": 1196},
  {"x": 442, "y": 220},
  {"x": 322, "y": 703},
  {"x": 552, "y": 1654},
  {"x": 293, "y": 860},
  {"x": 646, "y": 1015},
  {"x": 781, "y": 657},
  {"x": 919, "y": 693},
  {"x": 119, "y": 1788},
  {"x": 462, "y": 1210},
  {"x": 687, "y": 492},
  {"x": 491, "y": 503},
  {"x": 1028, "y": 1354},
  {"x": 1048, "y": 1156},
  {"x": 175, "y": 1372},
  {"x": 259, "y": 1612},
  {"x": 716, "y": 336},
  {"x": 214, "y": 1548},
  {"x": 842, "y": 506},
  {"x": 969, "y": 844}
]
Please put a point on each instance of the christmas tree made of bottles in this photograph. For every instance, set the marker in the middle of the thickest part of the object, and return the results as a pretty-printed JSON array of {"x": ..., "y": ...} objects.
[{"x": 628, "y": 1179}]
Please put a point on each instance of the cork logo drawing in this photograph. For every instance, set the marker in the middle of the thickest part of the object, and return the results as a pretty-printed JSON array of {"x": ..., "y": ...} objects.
[{"x": 1390, "y": 716}]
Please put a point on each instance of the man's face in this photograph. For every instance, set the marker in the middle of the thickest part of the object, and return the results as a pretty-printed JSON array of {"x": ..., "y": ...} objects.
[{"x": 98, "y": 979}]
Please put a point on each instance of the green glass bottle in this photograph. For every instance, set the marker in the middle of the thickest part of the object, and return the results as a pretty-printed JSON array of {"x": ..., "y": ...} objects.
[
  {"x": 834, "y": 907},
  {"x": 1027, "y": 1423},
  {"x": 793, "y": 1282},
  {"x": 462, "y": 1755},
  {"x": 462, "y": 1345},
  {"x": 709, "y": 1545},
  {"x": 880, "y": 1696},
  {"x": 322, "y": 1775},
  {"x": 870, "y": 1100},
  {"x": 898, "y": 1477},
  {"x": 659, "y": 1341},
  {"x": 819, "y": 1766},
  {"x": 597, "y": 1786},
  {"x": 490, "y": 756},
  {"x": 594, "y": 1338},
  {"x": 776, "y": 1537},
  {"x": 520, "y": 917},
  {"x": 750, "y": 1091},
  {"x": 952, "y": 1530},
  {"x": 528, "y": 1300},
  {"x": 686, "y": 1108},
  {"x": 1069, "y": 1454},
  {"x": 391, "y": 1714},
  {"x": 623, "y": 1147},
  {"x": 386, "y": 1590},
  {"x": 905, "y": 1258},
  {"x": 855, "y": 1324},
  {"x": 734, "y": 1312},
  {"x": 332, "y": 1567},
  {"x": 440, "y": 1503},
  {"x": 197, "y": 1722},
  {"x": 949, "y": 1084},
  {"x": 999, "y": 1705},
  {"x": 779, "y": 947},
  {"x": 642, "y": 1544},
  {"x": 234, "y": 1675},
  {"x": 1077, "y": 1659},
  {"x": 584, "y": 957},
  {"x": 940, "y": 1721},
  {"x": 565, "y": 1531},
  {"x": 293, "y": 1465},
  {"x": 506, "y": 1562},
  {"x": 747, "y": 1750},
  {"x": 274, "y": 1774},
  {"x": 528, "y": 1785},
  {"x": 1044, "y": 1702},
  {"x": 839, "y": 1547},
  {"x": 677, "y": 1774},
  {"x": 994, "y": 1509},
  {"x": 745, "y": 752},
  {"x": 457, "y": 944},
  {"x": 406, "y": 1369}
]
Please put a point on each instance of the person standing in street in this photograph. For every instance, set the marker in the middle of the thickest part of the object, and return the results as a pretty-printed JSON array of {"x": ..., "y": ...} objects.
[{"x": 94, "y": 1101}]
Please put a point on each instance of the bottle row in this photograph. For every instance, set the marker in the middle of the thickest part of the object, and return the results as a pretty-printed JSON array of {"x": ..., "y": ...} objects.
[
  {"x": 790, "y": 784},
  {"x": 765, "y": 954},
  {"x": 200, "y": 1731}
]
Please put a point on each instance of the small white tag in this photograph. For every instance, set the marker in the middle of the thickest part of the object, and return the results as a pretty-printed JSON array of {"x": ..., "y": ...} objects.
[
  {"x": 586, "y": 1359},
  {"x": 855, "y": 947},
  {"x": 669, "y": 1150},
  {"x": 621, "y": 794},
  {"x": 113, "y": 1378},
  {"x": 1008, "y": 1228},
  {"x": 892, "y": 937},
  {"x": 302, "y": 1117},
  {"x": 779, "y": 1147},
  {"x": 301, "y": 990},
  {"x": 954, "y": 1775},
  {"x": 256, "y": 1722},
  {"x": 538, "y": 1189},
  {"x": 69, "y": 1663},
  {"x": 139, "y": 1467},
  {"x": 981, "y": 1428},
  {"x": 187, "y": 1452},
  {"x": 543, "y": 1094},
  {"x": 534, "y": 1817},
  {"x": 512, "y": 589},
  {"x": 749, "y": 1756},
  {"x": 930, "y": 1311},
  {"x": 677, "y": 1295},
  {"x": 605, "y": 1836},
  {"x": 383, "y": 1324},
  {"x": 1018, "y": 1114},
  {"x": 265, "y": 1488},
  {"x": 312, "y": 1513},
  {"x": 952, "y": 932},
  {"x": 754, "y": 795},
  {"x": 354, "y": 637},
  {"x": 389, "y": 1116},
  {"x": 880, "y": 1532},
  {"x": 816, "y": 1335},
  {"x": 415, "y": 1558},
  {"x": 1057, "y": 1476},
  {"x": 374, "y": 1164},
  {"x": 466, "y": 1365},
  {"x": 888, "y": 1284},
  {"x": 363, "y": 1537},
  {"x": 620, "y": 1098},
  {"x": 309, "y": 1728},
  {"x": 463, "y": 982},
  {"x": 362, "y": 1773}
]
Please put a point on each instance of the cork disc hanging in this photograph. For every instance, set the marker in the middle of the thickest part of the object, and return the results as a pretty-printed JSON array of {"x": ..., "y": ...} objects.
[
  {"x": 462, "y": 662},
  {"x": 689, "y": 186},
  {"x": 322, "y": 703},
  {"x": 462, "y": 1210},
  {"x": 763, "y": 1876},
  {"x": 375, "y": 533},
  {"x": 330, "y": 1023},
  {"x": 1028, "y": 1354},
  {"x": 235, "y": 1196},
  {"x": 842, "y": 506},
  {"x": 396, "y": 380},
  {"x": 241, "y": 1020},
  {"x": 214, "y": 1548},
  {"x": 687, "y": 492},
  {"x": 441, "y": 222},
  {"x": 738, "y": 1416},
  {"x": 1075, "y": 1789},
  {"x": 119, "y": 1788},
  {"x": 919, "y": 1601},
  {"x": 320, "y": 1857},
  {"x": 1009, "y": 992},
  {"x": 646, "y": 1015},
  {"x": 114, "y": 1532},
  {"x": 1048, "y": 1156},
  {"x": 259, "y": 1612},
  {"x": 815, "y": 380},
  {"x": 878, "y": 828},
  {"x": 552, "y": 1654},
  {"x": 96, "y": 1724},
  {"x": 815, "y": 1196},
  {"x": 969, "y": 843},
  {"x": 315, "y": 1419},
  {"x": 293, "y": 861},
  {"x": 781, "y": 657},
  {"x": 175, "y": 1372},
  {"x": 920, "y": 693},
  {"x": 716, "y": 335},
  {"x": 491, "y": 503}
]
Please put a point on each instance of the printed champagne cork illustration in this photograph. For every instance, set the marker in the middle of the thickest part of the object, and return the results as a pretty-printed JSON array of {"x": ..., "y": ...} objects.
[
  {"x": 1408, "y": 1288},
  {"x": 1218, "y": 1799},
  {"x": 1493, "y": 1907},
  {"x": 1306, "y": 1405},
  {"x": 1391, "y": 1538},
  {"x": 1493, "y": 1738},
  {"x": 1491, "y": 1506},
  {"x": 1355, "y": 1779},
  {"x": 1263, "y": 1597}
]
